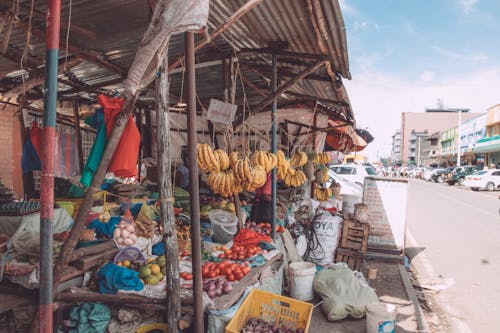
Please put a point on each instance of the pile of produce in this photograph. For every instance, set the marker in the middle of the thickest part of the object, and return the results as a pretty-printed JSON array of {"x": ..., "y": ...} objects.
[
  {"x": 124, "y": 234},
  {"x": 286, "y": 170},
  {"x": 256, "y": 325},
  {"x": 231, "y": 271},
  {"x": 154, "y": 270},
  {"x": 321, "y": 158},
  {"x": 322, "y": 194},
  {"x": 217, "y": 287},
  {"x": 239, "y": 252},
  {"x": 145, "y": 227}
]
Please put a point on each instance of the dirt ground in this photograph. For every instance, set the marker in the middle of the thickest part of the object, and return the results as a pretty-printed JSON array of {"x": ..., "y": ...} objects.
[{"x": 390, "y": 288}]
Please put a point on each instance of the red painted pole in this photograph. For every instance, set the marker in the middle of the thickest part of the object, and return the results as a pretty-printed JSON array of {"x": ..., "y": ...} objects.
[{"x": 48, "y": 163}]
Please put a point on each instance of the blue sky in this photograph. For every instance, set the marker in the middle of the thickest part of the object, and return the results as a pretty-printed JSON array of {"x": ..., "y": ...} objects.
[{"x": 406, "y": 54}]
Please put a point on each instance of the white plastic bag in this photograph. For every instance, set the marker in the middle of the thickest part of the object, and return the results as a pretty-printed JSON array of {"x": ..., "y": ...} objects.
[{"x": 328, "y": 228}]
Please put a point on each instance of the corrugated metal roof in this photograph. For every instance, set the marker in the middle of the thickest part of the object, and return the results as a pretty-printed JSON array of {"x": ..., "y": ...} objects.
[{"x": 112, "y": 29}]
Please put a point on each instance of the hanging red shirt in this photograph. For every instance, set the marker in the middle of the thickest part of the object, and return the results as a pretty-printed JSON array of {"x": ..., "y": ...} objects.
[
  {"x": 124, "y": 161},
  {"x": 36, "y": 138}
]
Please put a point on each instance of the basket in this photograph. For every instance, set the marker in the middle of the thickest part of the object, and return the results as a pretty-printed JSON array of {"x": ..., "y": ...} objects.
[
  {"x": 130, "y": 253},
  {"x": 272, "y": 308}
]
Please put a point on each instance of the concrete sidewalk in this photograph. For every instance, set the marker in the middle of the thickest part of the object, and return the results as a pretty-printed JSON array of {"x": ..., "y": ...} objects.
[{"x": 392, "y": 286}]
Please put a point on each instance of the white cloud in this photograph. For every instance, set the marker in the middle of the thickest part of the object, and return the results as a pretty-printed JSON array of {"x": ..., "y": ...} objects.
[
  {"x": 461, "y": 56},
  {"x": 427, "y": 76},
  {"x": 468, "y": 5},
  {"x": 347, "y": 8},
  {"x": 378, "y": 100}
]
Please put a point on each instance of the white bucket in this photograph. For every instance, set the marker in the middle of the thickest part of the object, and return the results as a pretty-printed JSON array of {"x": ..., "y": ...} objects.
[
  {"x": 380, "y": 318},
  {"x": 348, "y": 202},
  {"x": 301, "y": 280},
  {"x": 224, "y": 225}
]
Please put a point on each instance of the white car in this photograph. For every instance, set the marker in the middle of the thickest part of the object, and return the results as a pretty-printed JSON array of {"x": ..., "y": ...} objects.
[
  {"x": 488, "y": 180},
  {"x": 354, "y": 172},
  {"x": 346, "y": 186}
]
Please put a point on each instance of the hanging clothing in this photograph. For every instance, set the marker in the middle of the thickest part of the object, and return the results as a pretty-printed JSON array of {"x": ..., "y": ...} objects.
[
  {"x": 124, "y": 161},
  {"x": 97, "y": 121},
  {"x": 30, "y": 160},
  {"x": 66, "y": 155},
  {"x": 36, "y": 137}
]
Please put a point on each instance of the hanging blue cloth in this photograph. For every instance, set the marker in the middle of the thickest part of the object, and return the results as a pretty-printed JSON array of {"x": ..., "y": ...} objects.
[
  {"x": 104, "y": 229},
  {"x": 30, "y": 160},
  {"x": 97, "y": 149},
  {"x": 112, "y": 278}
]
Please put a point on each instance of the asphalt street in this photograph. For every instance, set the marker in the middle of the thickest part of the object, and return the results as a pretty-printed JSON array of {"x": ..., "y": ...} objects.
[{"x": 453, "y": 241}]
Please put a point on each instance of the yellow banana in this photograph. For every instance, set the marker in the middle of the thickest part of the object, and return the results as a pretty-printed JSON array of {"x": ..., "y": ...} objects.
[{"x": 223, "y": 159}]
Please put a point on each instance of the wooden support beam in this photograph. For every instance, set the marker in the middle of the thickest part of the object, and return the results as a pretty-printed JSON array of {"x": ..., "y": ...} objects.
[
  {"x": 93, "y": 89},
  {"x": 164, "y": 158},
  {"x": 280, "y": 52},
  {"x": 284, "y": 72},
  {"x": 249, "y": 5},
  {"x": 290, "y": 83},
  {"x": 76, "y": 113}
]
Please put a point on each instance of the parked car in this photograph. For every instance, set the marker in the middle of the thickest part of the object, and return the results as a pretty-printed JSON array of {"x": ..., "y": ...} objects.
[
  {"x": 346, "y": 186},
  {"x": 354, "y": 172},
  {"x": 488, "y": 180},
  {"x": 431, "y": 173},
  {"x": 427, "y": 173},
  {"x": 440, "y": 175},
  {"x": 459, "y": 173},
  {"x": 415, "y": 172}
]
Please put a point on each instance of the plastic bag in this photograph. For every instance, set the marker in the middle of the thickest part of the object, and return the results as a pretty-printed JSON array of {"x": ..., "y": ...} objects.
[
  {"x": 328, "y": 229},
  {"x": 343, "y": 293}
]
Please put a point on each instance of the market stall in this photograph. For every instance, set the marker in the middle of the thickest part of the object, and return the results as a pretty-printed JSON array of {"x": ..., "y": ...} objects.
[{"x": 252, "y": 115}]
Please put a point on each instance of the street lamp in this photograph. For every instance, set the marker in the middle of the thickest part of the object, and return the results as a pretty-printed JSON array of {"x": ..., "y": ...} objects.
[{"x": 459, "y": 137}]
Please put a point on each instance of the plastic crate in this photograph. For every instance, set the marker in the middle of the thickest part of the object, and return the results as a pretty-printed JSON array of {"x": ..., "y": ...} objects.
[{"x": 272, "y": 308}]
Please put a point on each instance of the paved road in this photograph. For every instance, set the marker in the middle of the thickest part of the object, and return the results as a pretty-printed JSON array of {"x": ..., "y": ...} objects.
[{"x": 460, "y": 231}]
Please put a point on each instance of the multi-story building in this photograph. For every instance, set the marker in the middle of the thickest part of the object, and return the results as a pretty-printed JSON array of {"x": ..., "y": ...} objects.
[
  {"x": 417, "y": 147},
  {"x": 432, "y": 120},
  {"x": 396, "y": 148},
  {"x": 490, "y": 144},
  {"x": 449, "y": 143},
  {"x": 472, "y": 131}
]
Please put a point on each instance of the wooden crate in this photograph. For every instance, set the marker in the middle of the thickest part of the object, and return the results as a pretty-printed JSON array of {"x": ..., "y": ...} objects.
[
  {"x": 355, "y": 235},
  {"x": 352, "y": 258}
]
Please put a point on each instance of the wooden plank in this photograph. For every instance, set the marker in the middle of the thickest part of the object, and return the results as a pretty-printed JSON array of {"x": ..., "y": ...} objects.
[
  {"x": 86, "y": 251},
  {"x": 88, "y": 262},
  {"x": 226, "y": 301}
]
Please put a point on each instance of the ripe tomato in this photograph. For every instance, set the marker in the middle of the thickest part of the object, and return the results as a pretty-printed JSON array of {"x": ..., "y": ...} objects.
[
  {"x": 238, "y": 275},
  {"x": 241, "y": 257},
  {"x": 217, "y": 272},
  {"x": 189, "y": 276},
  {"x": 230, "y": 277},
  {"x": 223, "y": 248},
  {"x": 211, "y": 274},
  {"x": 245, "y": 269},
  {"x": 222, "y": 256},
  {"x": 228, "y": 252}
]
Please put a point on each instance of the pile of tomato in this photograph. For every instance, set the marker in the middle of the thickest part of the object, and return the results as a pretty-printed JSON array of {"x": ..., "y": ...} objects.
[
  {"x": 231, "y": 271},
  {"x": 239, "y": 252},
  {"x": 186, "y": 276}
]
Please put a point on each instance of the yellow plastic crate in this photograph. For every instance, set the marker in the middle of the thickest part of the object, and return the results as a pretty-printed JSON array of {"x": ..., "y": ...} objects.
[{"x": 272, "y": 308}]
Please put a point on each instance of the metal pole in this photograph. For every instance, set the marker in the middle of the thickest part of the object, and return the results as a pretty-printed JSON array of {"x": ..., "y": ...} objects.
[
  {"x": 193, "y": 183},
  {"x": 48, "y": 153},
  {"x": 459, "y": 137},
  {"x": 418, "y": 151},
  {"x": 274, "y": 87}
]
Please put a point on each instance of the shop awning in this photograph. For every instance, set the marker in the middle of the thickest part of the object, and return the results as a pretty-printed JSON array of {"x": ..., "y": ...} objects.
[
  {"x": 343, "y": 138},
  {"x": 487, "y": 146}
]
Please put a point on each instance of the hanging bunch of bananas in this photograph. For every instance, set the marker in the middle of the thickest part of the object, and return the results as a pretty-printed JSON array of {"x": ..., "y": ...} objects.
[
  {"x": 322, "y": 194},
  {"x": 224, "y": 183},
  {"x": 223, "y": 158},
  {"x": 298, "y": 159},
  {"x": 282, "y": 166},
  {"x": 321, "y": 175},
  {"x": 309, "y": 170},
  {"x": 251, "y": 177},
  {"x": 295, "y": 178},
  {"x": 265, "y": 159},
  {"x": 233, "y": 158},
  {"x": 208, "y": 161},
  {"x": 321, "y": 158}
]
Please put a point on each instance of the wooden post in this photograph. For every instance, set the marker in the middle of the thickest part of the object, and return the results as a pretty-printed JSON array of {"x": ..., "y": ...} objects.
[
  {"x": 78, "y": 134},
  {"x": 173, "y": 301}
]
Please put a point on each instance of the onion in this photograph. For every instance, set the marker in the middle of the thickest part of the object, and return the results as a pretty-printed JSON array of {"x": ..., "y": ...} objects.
[
  {"x": 123, "y": 224},
  {"x": 128, "y": 242},
  {"x": 218, "y": 292},
  {"x": 211, "y": 294},
  {"x": 133, "y": 237},
  {"x": 125, "y": 233},
  {"x": 227, "y": 289},
  {"x": 211, "y": 287},
  {"x": 117, "y": 233},
  {"x": 119, "y": 240},
  {"x": 131, "y": 227}
]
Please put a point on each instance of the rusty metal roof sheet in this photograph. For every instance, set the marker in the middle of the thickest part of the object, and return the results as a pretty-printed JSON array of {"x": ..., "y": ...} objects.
[{"x": 111, "y": 30}]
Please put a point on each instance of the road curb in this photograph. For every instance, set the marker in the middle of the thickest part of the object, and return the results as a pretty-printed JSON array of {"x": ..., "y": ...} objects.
[{"x": 422, "y": 325}]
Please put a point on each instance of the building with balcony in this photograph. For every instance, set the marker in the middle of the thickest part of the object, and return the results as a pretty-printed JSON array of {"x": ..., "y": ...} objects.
[
  {"x": 396, "y": 148},
  {"x": 472, "y": 131},
  {"x": 490, "y": 144},
  {"x": 416, "y": 148},
  {"x": 449, "y": 143}
]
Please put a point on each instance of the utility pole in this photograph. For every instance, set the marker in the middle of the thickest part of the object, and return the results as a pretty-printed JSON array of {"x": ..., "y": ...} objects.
[
  {"x": 459, "y": 137},
  {"x": 418, "y": 151}
]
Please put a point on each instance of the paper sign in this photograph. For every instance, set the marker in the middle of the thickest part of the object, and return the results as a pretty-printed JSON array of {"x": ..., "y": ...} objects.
[
  {"x": 386, "y": 200},
  {"x": 220, "y": 112}
]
